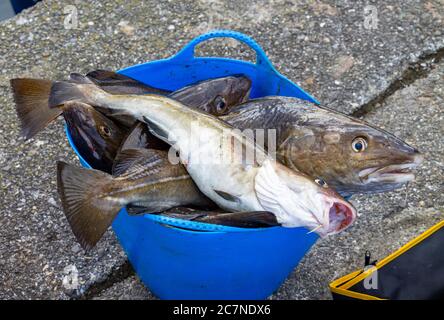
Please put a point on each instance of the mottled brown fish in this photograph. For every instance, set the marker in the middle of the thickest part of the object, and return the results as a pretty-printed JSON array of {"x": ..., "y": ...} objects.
[
  {"x": 351, "y": 155},
  {"x": 144, "y": 178},
  {"x": 215, "y": 96}
]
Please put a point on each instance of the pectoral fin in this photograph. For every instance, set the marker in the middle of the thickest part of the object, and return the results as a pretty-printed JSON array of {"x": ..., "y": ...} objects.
[
  {"x": 158, "y": 131},
  {"x": 272, "y": 193}
]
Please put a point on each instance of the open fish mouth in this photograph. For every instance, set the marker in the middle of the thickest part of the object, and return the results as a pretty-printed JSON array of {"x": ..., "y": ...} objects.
[
  {"x": 394, "y": 173},
  {"x": 339, "y": 214}
]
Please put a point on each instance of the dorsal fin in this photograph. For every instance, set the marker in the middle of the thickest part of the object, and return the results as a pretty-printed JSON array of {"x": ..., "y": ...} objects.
[
  {"x": 130, "y": 160},
  {"x": 80, "y": 78},
  {"x": 116, "y": 83},
  {"x": 140, "y": 137},
  {"x": 136, "y": 138}
]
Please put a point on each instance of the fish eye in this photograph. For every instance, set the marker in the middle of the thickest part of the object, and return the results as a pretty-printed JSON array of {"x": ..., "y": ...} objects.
[
  {"x": 104, "y": 130},
  {"x": 321, "y": 182},
  {"x": 220, "y": 104},
  {"x": 359, "y": 144}
]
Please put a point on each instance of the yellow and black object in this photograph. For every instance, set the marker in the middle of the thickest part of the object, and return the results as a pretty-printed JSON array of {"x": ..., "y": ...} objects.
[{"x": 415, "y": 271}]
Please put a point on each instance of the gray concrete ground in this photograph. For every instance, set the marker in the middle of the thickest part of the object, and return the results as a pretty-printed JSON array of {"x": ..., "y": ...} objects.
[{"x": 392, "y": 75}]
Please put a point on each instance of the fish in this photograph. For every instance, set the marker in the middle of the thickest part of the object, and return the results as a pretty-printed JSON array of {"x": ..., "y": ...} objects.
[
  {"x": 257, "y": 219},
  {"x": 215, "y": 96},
  {"x": 349, "y": 154},
  {"x": 210, "y": 158},
  {"x": 321, "y": 142},
  {"x": 117, "y": 83},
  {"x": 96, "y": 137},
  {"x": 99, "y": 139},
  {"x": 91, "y": 199},
  {"x": 139, "y": 136}
]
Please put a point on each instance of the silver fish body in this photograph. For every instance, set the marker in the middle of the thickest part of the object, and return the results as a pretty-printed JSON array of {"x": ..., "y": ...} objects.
[{"x": 215, "y": 96}]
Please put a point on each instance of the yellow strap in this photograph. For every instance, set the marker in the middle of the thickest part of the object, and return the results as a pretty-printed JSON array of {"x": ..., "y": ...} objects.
[
  {"x": 352, "y": 294},
  {"x": 342, "y": 285}
]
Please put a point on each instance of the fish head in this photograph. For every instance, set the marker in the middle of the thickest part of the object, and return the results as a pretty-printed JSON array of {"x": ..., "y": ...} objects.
[
  {"x": 351, "y": 155},
  {"x": 215, "y": 96},
  {"x": 313, "y": 204},
  {"x": 225, "y": 93},
  {"x": 92, "y": 131},
  {"x": 382, "y": 161}
]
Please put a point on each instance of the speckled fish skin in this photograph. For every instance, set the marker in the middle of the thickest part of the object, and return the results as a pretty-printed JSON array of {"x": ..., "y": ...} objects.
[
  {"x": 318, "y": 141},
  {"x": 96, "y": 137},
  {"x": 152, "y": 182},
  {"x": 262, "y": 185}
]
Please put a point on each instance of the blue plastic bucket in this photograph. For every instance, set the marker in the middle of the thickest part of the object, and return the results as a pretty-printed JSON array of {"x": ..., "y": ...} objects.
[{"x": 178, "y": 259}]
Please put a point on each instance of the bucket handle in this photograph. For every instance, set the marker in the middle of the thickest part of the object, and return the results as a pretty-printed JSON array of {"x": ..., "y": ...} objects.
[{"x": 187, "y": 53}]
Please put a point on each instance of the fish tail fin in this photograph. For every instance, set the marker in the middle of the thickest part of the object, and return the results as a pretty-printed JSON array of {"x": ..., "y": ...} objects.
[
  {"x": 31, "y": 98},
  {"x": 89, "y": 213},
  {"x": 63, "y": 91}
]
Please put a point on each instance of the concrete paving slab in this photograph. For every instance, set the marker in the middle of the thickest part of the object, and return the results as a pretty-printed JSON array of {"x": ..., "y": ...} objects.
[
  {"x": 324, "y": 46},
  {"x": 386, "y": 221}
]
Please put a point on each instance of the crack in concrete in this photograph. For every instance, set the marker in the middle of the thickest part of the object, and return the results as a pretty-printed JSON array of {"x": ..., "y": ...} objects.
[
  {"x": 416, "y": 70},
  {"x": 118, "y": 274}
]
